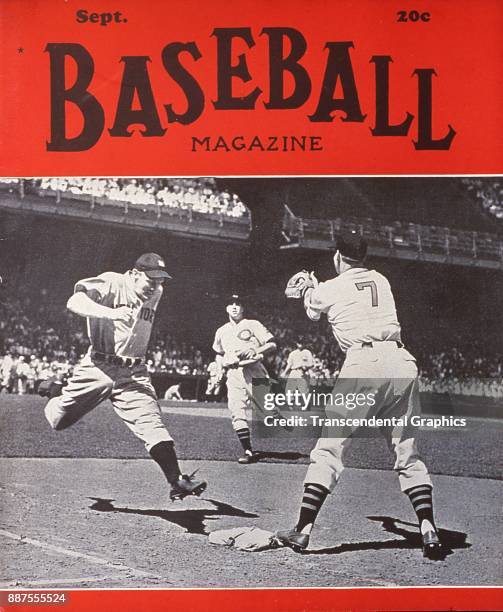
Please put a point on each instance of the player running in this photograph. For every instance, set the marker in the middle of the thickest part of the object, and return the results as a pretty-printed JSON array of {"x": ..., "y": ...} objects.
[
  {"x": 120, "y": 311},
  {"x": 240, "y": 346},
  {"x": 359, "y": 306}
]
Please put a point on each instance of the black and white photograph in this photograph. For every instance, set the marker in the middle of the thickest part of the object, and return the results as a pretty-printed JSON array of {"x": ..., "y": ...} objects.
[{"x": 141, "y": 317}]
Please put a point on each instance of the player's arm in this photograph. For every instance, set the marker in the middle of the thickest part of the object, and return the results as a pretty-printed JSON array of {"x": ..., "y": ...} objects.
[
  {"x": 267, "y": 343},
  {"x": 219, "y": 370},
  {"x": 80, "y": 303},
  {"x": 258, "y": 352},
  {"x": 288, "y": 367},
  {"x": 315, "y": 300},
  {"x": 268, "y": 347},
  {"x": 220, "y": 359}
]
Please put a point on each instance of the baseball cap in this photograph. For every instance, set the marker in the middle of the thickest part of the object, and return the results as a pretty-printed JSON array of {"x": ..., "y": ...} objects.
[
  {"x": 352, "y": 246},
  {"x": 234, "y": 299},
  {"x": 153, "y": 265}
]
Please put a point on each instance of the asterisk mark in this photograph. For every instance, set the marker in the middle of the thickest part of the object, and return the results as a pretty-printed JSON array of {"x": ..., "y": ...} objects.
[{"x": 20, "y": 50}]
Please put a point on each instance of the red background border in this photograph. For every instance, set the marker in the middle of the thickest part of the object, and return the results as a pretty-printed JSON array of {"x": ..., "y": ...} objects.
[
  {"x": 287, "y": 600},
  {"x": 462, "y": 42}
]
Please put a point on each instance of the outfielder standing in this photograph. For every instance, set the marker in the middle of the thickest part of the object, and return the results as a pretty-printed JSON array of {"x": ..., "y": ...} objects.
[
  {"x": 240, "y": 346},
  {"x": 298, "y": 366},
  {"x": 120, "y": 311},
  {"x": 360, "y": 307}
]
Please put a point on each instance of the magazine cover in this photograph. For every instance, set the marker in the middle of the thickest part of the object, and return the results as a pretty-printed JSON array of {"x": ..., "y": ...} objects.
[{"x": 251, "y": 262}]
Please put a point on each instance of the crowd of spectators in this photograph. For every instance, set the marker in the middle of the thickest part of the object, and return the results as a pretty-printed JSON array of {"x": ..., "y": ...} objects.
[
  {"x": 488, "y": 193},
  {"x": 466, "y": 367},
  {"x": 199, "y": 195},
  {"x": 170, "y": 355},
  {"x": 40, "y": 339}
]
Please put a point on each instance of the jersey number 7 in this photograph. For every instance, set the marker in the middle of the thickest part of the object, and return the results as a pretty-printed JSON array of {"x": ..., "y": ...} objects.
[{"x": 373, "y": 289}]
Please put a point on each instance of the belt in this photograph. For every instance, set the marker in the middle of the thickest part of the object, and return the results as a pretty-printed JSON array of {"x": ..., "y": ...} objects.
[
  {"x": 128, "y": 362},
  {"x": 371, "y": 344}
]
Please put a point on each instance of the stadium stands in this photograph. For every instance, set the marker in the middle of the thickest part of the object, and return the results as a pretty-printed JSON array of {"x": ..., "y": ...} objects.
[
  {"x": 457, "y": 348},
  {"x": 398, "y": 239},
  {"x": 440, "y": 202},
  {"x": 489, "y": 193},
  {"x": 200, "y": 195},
  {"x": 188, "y": 206},
  {"x": 50, "y": 341}
]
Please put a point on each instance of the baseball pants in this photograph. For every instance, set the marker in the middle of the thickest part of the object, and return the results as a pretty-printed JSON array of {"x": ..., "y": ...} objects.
[
  {"x": 213, "y": 386},
  {"x": 367, "y": 370},
  {"x": 297, "y": 380},
  {"x": 129, "y": 389},
  {"x": 240, "y": 392}
]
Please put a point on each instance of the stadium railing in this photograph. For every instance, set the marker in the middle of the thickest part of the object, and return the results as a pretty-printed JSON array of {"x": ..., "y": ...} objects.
[
  {"x": 400, "y": 240},
  {"x": 17, "y": 195}
]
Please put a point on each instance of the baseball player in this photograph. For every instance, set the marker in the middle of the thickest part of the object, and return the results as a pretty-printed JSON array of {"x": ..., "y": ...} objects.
[
  {"x": 359, "y": 306},
  {"x": 173, "y": 393},
  {"x": 298, "y": 366},
  {"x": 6, "y": 372},
  {"x": 215, "y": 377},
  {"x": 240, "y": 346},
  {"x": 120, "y": 311}
]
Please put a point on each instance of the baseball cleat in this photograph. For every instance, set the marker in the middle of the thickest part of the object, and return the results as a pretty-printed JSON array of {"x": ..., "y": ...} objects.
[
  {"x": 186, "y": 485},
  {"x": 432, "y": 547},
  {"x": 249, "y": 457},
  {"x": 294, "y": 539}
]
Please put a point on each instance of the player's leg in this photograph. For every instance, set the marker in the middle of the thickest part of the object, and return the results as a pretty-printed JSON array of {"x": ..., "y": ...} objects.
[
  {"x": 323, "y": 473},
  {"x": 415, "y": 482},
  {"x": 88, "y": 387},
  {"x": 209, "y": 388},
  {"x": 237, "y": 403},
  {"x": 413, "y": 475},
  {"x": 325, "y": 468},
  {"x": 135, "y": 402}
]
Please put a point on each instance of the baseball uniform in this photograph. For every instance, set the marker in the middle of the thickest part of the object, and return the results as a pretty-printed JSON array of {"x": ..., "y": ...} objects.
[
  {"x": 214, "y": 379},
  {"x": 360, "y": 308},
  {"x": 298, "y": 364},
  {"x": 230, "y": 340},
  {"x": 114, "y": 367},
  {"x": 6, "y": 372},
  {"x": 173, "y": 393},
  {"x": 120, "y": 310}
]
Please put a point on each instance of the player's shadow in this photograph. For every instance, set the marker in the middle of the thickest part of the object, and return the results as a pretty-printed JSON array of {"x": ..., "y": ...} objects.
[
  {"x": 193, "y": 520},
  {"x": 451, "y": 540},
  {"x": 285, "y": 455}
]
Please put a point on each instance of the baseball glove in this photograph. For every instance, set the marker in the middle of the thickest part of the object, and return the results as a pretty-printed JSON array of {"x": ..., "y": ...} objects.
[{"x": 298, "y": 284}]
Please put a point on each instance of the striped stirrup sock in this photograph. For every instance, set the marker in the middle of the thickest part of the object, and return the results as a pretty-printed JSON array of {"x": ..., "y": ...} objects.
[
  {"x": 312, "y": 500},
  {"x": 244, "y": 438},
  {"x": 422, "y": 502}
]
